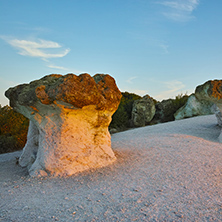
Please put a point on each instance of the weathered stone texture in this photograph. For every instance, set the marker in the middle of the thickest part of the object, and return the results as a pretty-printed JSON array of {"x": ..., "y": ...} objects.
[
  {"x": 69, "y": 118},
  {"x": 143, "y": 111},
  {"x": 194, "y": 107},
  {"x": 164, "y": 111},
  {"x": 211, "y": 91}
]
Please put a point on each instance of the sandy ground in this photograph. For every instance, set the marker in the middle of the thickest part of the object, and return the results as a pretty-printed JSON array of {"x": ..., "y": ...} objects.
[{"x": 165, "y": 172}]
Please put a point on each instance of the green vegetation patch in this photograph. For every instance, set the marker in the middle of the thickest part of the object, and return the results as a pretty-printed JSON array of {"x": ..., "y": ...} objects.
[
  {"x": 13, "y": 130},
  {"x": 121, "y": 118}
]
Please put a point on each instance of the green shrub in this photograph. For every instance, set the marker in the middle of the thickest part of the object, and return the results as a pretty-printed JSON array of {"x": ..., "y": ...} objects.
[
  {"x": 180, "y": 101},
  {"x": 165, "y": 110},
  {"x": 13, "y": 130}
]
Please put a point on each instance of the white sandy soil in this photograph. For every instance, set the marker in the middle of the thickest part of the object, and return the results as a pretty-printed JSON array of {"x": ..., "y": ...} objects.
[{"x": 165, "y": 172}]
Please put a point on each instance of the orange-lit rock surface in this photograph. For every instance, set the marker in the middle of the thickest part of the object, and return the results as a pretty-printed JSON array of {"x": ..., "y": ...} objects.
[
  {"x": 69, "y": 118},
  {"x": 212, "y": 91}
]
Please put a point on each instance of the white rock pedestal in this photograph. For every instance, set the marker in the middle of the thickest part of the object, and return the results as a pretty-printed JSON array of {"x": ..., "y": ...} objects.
[{"x": 74, "y": 141}]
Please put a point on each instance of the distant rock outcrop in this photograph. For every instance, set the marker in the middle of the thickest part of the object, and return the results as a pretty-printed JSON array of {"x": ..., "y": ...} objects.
[
  {"x": 212, "y": 91},
  {"x": 143, "y": 111},
  {"x": 194, "y": 107},
  {"x": 69, "y": 118},
  {"x": 164, "y": 111}
]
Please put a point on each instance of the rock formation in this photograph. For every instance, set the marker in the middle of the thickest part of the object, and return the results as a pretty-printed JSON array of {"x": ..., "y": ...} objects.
[
  {"x": 194, "y": 107},
  {"x": 217, "y": 114},
  {"x": 143, "y": 111},
  {"x": 164, "y": 111},
  {"x": 212, "y": 91},
  {"x": 69, "y": 118}
]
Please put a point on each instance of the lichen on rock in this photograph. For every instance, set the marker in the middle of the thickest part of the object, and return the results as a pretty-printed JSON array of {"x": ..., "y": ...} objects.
[
  {"x": 143, "y": 111},
  {"x": 212, "y": 91},
  {"x": 69, "y": 118}
]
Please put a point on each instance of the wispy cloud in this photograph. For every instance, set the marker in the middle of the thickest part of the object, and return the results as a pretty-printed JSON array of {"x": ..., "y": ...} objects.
[
  {"x": 57, "y": 67},
  {"x": 130, "y": 80},
  {"x": 174, "y": 87},
  {"x": 182, "y": 5},
  {"x": 179, "y": 10},
  {"x": 67, "y": 70},
  {"x": 164, "y": 47},
  {"x": 40, "y": 48}
]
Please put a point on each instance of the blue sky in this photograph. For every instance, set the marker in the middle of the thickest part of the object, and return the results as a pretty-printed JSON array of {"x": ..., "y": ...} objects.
[{"x": 156, "y": 47}]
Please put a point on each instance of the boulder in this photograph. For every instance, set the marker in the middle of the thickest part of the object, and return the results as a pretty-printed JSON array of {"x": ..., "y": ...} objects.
[
  {"x": 143, "y": 111},
  {"x": 194, "y": 107},
  {"x": 212, "y": 91},
  {"x": 69, "y": 118},
  {"x": 218, "y": 115},
  {"x": 164, "y": 111}
]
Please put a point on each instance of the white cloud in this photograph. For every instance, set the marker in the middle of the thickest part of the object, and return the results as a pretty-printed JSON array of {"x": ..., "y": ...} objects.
[
  {"x": 179, "y": 17},
  {"x": 174, "y": 88},
  {"x": 182, "y": 5},
  {"x": 57, "y": 67},
  {"x": 165, "y": 48},
  {"x": 36, "y": 48},
  {"x": 131, "y": 79},
  {"x": 40, "y": 48},
  {"x": 179, "y": 10},
  {"x": 67, "y": 70}
]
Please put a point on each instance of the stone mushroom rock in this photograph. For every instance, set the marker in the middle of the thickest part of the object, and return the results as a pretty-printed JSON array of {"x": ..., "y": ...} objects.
[
  {"x": 143, "y": 111},
  {"x": 212, "y": 91},
  {"x": 194, "y": 107},
  {"x": 69, "y": 118}
]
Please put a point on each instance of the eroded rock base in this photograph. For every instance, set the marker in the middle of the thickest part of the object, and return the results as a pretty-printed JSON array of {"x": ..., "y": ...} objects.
[{"x": 68, "y": 143}]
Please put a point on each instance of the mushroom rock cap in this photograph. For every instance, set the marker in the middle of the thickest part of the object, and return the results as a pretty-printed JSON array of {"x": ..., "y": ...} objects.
[{"x": 78, "y": 91}]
